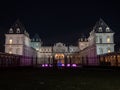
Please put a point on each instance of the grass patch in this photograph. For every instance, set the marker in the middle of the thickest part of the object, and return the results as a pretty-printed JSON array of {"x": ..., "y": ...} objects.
[{"x": 49, "y": 79}]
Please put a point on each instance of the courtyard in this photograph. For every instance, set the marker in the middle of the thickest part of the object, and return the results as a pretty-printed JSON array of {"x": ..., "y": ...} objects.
[{"x": 59, "y": 79}]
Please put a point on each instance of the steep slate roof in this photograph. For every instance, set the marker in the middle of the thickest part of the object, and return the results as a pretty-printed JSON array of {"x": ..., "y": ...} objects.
[
  {"x": 36, "y": 38},
  {"x": 103, "y": 25},
  {"x": 16, "y": 25},
  {"x": 83, "y": 38},
  {"x": 20, "y": 26}
]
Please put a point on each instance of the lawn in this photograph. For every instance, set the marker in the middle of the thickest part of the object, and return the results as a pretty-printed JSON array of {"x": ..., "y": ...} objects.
[{"x": 58, "y": 79}]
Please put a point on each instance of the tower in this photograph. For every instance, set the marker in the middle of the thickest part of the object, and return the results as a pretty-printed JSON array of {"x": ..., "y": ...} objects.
[
  {"x": 82, "y": 42},
  {"x": 17, "y": 40},
  {"x": 36, "y": 42},
  {"x": 103, "y": 38}
]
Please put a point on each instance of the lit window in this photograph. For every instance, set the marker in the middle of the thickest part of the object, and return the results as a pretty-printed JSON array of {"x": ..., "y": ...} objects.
[
  {"x": 81, "y": 44},
  {"x": 108, "y": 50},
  {"x": 10, "y": 50},
  {"x": 10, "y": 41},
  {"x": 37, "y": 49},
  {"x": 108, "y": 39}
]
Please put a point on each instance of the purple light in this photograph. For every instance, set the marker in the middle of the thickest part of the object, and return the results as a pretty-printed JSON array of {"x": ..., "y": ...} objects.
[
  {"x": 46, "y": 65},
  {"x": 63, "y": 65},
  {"x": 74, "y": 65},
  {"x": 43, "y": 65},
  {"x": 68, "y": 65}
]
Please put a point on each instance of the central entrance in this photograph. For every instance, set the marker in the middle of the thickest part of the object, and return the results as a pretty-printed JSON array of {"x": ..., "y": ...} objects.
[{"x": 59, "y": 59}]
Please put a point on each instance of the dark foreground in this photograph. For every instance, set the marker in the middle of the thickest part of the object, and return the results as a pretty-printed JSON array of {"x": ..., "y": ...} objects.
[{"x": 59, "y": 79}]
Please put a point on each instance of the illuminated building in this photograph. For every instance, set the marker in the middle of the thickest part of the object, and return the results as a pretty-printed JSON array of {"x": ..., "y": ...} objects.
[
  {"x": 100, "y": 41},
  {"x": 17, "y": 41}
]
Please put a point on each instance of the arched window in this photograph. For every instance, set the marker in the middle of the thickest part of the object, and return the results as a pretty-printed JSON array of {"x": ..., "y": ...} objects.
[
  {"x": 11, "y": 30},
  {"x": 108, "y": 39},
  {"x": 101, "y": 50}
]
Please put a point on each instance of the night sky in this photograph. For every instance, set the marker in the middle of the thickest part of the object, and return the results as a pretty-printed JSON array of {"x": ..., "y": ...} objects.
[{"x": 60, "y": 22}]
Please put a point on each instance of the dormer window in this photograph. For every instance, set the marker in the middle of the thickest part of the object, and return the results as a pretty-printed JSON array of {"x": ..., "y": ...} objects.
[
  {"x": 36, "y": 39},
  {"x": 107, "y": 29},
  {"x": 33, "y": 39},
  {"x": 85, "y": 39},
  {"x": 101, "y": 23},
  {"x": 100, "y": 29},
  {"x": 11, "y": 30},
  {"x": 81, "y": 39},
  {"x": 18, "y": 30}
]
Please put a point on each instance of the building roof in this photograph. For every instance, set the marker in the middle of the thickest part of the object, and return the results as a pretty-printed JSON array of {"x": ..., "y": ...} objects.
[
  {"x": 36, "y": 38},
  {"x": 17, "y": 28},
  {"x": 102, "y": 27},
  {"x": 83, "y": 38}
]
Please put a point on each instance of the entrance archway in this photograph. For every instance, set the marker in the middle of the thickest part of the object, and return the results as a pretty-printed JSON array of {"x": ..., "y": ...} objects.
[{"x": 59, "y": 59}]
